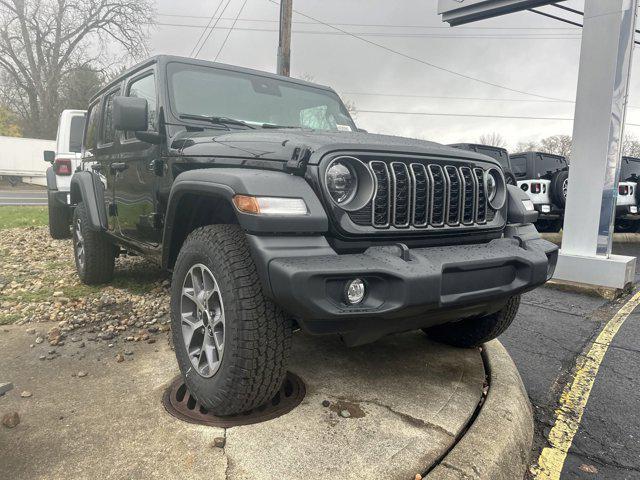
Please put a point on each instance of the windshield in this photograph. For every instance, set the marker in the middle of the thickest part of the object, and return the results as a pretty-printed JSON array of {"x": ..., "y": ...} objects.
[
  {"x": 548, "y": 164},
  {"x": 630, "y": 169},
  {"x": 256, "y": 100}
]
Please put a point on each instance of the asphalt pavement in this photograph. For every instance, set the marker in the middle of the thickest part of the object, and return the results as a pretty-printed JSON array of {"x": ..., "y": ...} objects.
[
  {"x": 21, "y": 196},
  {"x": 552, "y": 330}
]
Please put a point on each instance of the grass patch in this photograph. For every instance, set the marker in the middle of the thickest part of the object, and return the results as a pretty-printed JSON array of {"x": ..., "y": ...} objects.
[
  {"x": 9, "y": 318},
  {"x": 23, "y": 216}
]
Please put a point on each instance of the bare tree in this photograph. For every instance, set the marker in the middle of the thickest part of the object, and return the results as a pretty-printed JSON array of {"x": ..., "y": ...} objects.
[
  {"x": 44, "y": 43},
  {"x": 529, "y": 146},
  {"x": 8, "y": 126},
  {"x": 557, "y": 145},
  {"x": 630, "y": 146},
  {"x": 494, "y": 139}
]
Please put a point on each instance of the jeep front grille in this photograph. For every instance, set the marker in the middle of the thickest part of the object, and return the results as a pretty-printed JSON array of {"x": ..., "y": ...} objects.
[{"x": 425, "y": 195}]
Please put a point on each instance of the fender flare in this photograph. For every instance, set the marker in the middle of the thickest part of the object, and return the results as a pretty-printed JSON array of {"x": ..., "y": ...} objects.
[
  {"x": 223, "y": 183},
  {"x": 52, "y": 184},
  {"x": 86, "y": 187}
]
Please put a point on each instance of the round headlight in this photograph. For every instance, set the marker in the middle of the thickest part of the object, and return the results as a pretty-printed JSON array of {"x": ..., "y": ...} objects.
[
  {"x": 491, "y": 186},
  {"x": 496, "y": 188},
  {"x": 342, "y": 182}
]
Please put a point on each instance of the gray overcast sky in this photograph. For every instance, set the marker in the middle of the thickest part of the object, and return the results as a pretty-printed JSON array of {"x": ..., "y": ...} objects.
[{"x": 535, "y": 54}]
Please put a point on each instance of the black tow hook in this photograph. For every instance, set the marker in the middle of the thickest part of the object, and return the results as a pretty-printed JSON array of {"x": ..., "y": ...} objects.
[{"x": 405, "y": 254}]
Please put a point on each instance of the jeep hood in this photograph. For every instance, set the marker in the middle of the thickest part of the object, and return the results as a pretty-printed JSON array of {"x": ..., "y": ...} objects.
[{"x": 280, "y": 144}]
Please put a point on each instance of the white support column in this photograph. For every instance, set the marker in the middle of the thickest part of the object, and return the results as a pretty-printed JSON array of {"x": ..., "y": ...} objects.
[{"x": 603, "y": 80}]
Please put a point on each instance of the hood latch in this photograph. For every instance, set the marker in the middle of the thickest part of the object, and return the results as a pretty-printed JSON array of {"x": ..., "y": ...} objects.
[{"x": 297, "y": 164}]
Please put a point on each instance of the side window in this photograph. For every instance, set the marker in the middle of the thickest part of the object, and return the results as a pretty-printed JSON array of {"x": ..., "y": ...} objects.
[
  {"x": 75, "y": 134},
  {"x": 108, "y": 132},
  {"x": 145, "y": 87},
  {"x": 91, "y": 131}
]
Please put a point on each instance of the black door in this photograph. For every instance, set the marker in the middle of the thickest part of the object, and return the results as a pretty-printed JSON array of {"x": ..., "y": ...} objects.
[{"x": 136, "y": 186}]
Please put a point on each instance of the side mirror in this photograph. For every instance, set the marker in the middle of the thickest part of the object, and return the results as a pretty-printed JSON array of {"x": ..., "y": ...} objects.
[
  {"x": 130, "y": 114},
  {"x": 49, "y": 156},
  {"x": 362, "y": 130}
]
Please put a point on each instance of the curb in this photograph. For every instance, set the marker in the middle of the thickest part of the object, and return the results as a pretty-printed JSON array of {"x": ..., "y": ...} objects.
[
  {"x": 498, "y": 443},
  {"x": 617, "y": 237}
]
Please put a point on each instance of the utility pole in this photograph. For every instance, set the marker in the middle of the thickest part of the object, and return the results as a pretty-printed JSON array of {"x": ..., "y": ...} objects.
[{"x": 284, "y": 44}]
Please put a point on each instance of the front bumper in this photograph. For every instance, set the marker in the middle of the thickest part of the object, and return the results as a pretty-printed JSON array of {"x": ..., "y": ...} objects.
[{"x": 430, "y": 286}]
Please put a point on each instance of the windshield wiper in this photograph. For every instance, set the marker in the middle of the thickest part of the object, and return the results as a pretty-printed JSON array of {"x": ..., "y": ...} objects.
[
  {"x": 216, "y": 120},
  {"x": 273, "y": 125}
]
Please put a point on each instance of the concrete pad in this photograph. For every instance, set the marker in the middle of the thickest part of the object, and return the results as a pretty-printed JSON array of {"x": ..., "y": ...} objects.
[{"x": 409, "y": 399}]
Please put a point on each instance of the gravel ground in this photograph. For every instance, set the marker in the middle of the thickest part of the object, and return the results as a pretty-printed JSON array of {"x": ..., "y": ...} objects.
[{"x": 38, "y": 283}]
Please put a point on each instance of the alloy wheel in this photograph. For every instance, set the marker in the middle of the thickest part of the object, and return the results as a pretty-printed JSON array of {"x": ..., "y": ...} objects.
[
  {"x": 79, "y": 244},
  {"x": 202, "y": 320}
]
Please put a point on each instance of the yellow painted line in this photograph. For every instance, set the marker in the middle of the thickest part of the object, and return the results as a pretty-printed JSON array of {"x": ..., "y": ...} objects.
[{"x": 574, "y": 398}]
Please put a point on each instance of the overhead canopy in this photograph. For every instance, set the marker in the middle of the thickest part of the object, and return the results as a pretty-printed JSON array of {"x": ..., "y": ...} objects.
[{"x": 457, "y": 12}]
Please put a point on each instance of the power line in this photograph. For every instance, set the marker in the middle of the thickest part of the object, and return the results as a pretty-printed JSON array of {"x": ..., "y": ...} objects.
[
  {"x": 204, "y": 30},
  {"x": 473, "y": 115},
  {"x": 419, "y": 60},
  {"x": 554, "y": 17},
  {"x": 456, "y": 98},
  {"x": 212, "y": 28},
  {"x": 230, "y": 30},
  {"x": 383, "y": 25},
  {"x": 568, "y": 21},
  {"x": 481, "y": 99},
  {"x": 532, "y": 36}
]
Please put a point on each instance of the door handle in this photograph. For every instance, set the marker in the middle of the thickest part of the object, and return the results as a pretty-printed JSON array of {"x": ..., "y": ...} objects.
[{"x": 119, "y": 166}]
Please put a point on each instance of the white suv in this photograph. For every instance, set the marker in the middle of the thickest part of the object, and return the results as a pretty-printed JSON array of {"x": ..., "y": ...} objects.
[
  {"x": 63, "y": 161},
  {"x": 545, "y": 178},
  {"x": 627, "y": 218}
]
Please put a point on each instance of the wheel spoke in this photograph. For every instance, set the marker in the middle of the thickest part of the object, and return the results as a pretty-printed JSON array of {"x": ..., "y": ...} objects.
[{"x": 189, "y": 326}]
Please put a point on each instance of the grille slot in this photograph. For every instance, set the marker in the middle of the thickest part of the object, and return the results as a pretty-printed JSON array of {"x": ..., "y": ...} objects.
[
  {"x": 422, "y": 195},
  {"x": 455, "y": 193},
  {"x": 438, "y": 195},
  {"x": 468, "y": 196},
  {"x": 381, "y": 207},
  {"x": 401, "y": 193}
]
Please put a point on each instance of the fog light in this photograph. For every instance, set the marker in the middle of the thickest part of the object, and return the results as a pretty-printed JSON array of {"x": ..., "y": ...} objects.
[
  {"x": 633, "y": 209},
  {"x": 546, "y": 208},
  {"x": 354, "y": 292}
]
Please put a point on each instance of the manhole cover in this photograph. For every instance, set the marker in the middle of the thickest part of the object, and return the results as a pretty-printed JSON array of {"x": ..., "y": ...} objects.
[{"x": 178, "y": 402}]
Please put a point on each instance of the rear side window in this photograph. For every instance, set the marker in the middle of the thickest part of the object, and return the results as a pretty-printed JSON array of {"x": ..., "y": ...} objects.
[
  {"x": 75, "y": 134},
  {"x": 548, "y": 164},
  {"x": 108, "y": 131},
  {"x": 91, "y": 136},
  {"x": 519, "y": 166},
  {"x": 145, "y": 87}
]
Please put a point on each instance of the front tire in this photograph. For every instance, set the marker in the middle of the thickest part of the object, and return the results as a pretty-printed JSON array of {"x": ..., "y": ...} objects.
[
  {"x": 59, "y": 227},
  {"x": 473, "y": 332},
  {"x": 231, "y": 342},
  {"x": 94, "y": 254}
]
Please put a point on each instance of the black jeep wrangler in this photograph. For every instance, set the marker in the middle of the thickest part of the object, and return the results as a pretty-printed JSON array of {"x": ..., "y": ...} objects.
[
  {"x": 545, "y": 178},
  {"x": 275, "y": 212},
  {"x": 498, "y": 153}
]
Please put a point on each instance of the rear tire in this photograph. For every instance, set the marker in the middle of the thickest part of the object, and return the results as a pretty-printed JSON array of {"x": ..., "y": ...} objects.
[
  {"x": 59, "y": 227},
  {"x": 93, "y": 253},
  {"x": 473, "y": 332},
  {"x": 627, "y": 226},
  {"x": 243, "y": 367},
  {"x": 559, "y": 183}
]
